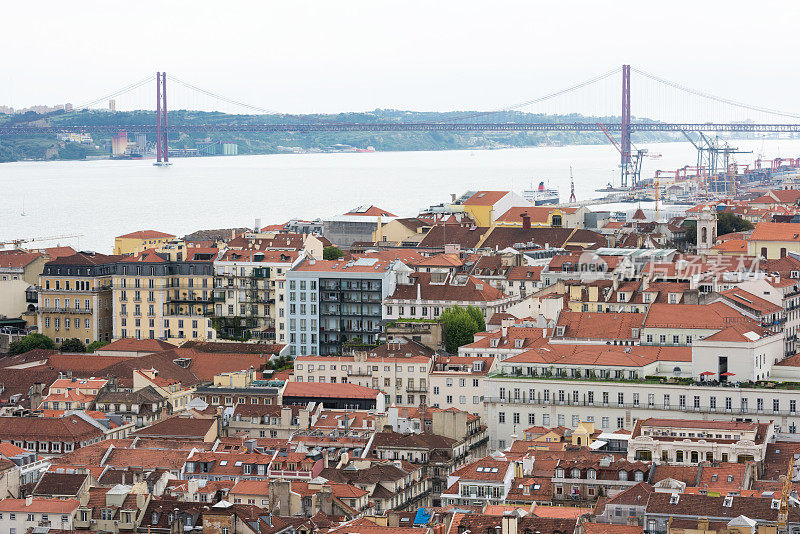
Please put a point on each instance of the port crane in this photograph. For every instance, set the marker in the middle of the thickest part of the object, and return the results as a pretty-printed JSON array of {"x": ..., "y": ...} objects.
[
  {"x": 17, "y": 243},
  {"x": 638, "y": 155},
  {"x": 783, "y": 507}
]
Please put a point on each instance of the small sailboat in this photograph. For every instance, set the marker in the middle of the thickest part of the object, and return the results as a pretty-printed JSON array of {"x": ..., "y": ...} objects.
[{"x": 23, "y": 208}]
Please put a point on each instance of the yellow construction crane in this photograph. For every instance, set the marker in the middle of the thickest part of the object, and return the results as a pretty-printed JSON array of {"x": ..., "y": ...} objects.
[
  {"x": 17, "y": 243},
  {"x": 783, "y": 509}
]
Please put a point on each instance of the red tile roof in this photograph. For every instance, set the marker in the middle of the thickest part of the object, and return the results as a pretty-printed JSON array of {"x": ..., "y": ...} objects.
[
  {"x": 586, "y": 325},
  {"x": 145, "y": 234},
  {"x": 16, "y": 259},
  {"x": 769, "y": 231},
  {"x": 485, "y": 198},
  {"x": 58, "y": 252},
  {"x": 467, "y": 289},
  {"x": 40, "y": 505},
  {"x": 370, "y": 211},
  {"x": 69, "y": 429},
  {"x": 137, "y": 345},
  {"x": 711, "y": 316}
]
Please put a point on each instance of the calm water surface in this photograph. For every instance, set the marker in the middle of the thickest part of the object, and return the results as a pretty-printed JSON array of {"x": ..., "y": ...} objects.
[{"x": 102, "y": 199}]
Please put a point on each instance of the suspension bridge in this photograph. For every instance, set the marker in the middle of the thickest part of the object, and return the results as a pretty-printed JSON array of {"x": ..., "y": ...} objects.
[{"x": 624, "y": 124}]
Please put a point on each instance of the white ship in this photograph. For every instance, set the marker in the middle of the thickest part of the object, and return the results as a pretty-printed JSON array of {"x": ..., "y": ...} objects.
[{"x": 541, "y": 195}]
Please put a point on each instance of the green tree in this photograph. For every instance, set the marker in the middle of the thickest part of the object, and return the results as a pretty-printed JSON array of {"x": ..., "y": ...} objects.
[
  {"x": 729, "y": 222},
  {"x": 31, "y": 342},
  {"x": 332, "y": 253},
  {"x": 460, "y": 326},
  {"x": 94, "y": 345},
  {"x": 691, "y": 232},
  {"x": 73, "y": 345}
]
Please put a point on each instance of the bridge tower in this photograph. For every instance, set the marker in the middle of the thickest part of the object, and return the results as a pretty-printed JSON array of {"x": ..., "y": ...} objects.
[
  {"x": 162, "y": 147},
  {"x": 625, "y": 152}
]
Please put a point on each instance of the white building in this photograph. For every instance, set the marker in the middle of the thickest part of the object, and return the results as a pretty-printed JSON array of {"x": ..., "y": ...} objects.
[
  {"x": 687, "y": 441},
  {"x": 424, "y": 295},
  {"x": 458, "y": 381},
  {"x": 330, "y": 303},
  {"x": 18, "y": 516},
  {"x": 399, "y": 369}
]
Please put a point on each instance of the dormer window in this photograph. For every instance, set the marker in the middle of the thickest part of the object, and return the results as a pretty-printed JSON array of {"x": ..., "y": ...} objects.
[
  {"x": 576, "y": 473},
  {"x": 559, "y": 331},
  {"x": 494, "y": 342},
  {"x": 518, "y": 343}
]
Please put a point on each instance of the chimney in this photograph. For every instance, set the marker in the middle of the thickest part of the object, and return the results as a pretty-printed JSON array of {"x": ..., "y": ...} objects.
[
  {"x": 526, "y": 221},
  {"x": 419, "y": 292},
  {"x": 503, "y": 331}
]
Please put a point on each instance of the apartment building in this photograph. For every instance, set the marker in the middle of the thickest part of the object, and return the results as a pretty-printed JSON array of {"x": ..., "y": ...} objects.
[
  {"x": 75, "y": 298},
  {"x": 516, "y": 402},
  {"x": 459, "y": 381},
  {"x": 424, "y": 295},
  {"x": 19, "y": 276},
  {"x": 250, "y": 292},
  {"x": 23, "y": 515},
  {"x": 135, "y": 242},
  {"x": 157, "y": 296},
  {"x": 399, "y": 369},
  {"x": 687, "y": 441},
  {"x": 331, "y": 303}
]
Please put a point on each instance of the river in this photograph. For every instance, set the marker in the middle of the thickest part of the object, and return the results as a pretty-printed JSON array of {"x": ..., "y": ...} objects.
[{"x": 103, "y": 199}]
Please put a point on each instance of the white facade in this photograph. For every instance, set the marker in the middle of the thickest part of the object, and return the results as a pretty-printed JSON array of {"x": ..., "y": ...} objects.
[
  {"x": 613, "y": 404},
  {"x": 748, "y": 361}
]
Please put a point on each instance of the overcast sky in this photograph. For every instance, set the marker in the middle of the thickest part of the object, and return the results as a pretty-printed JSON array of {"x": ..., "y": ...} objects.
[{"x": 327, "y": 56}]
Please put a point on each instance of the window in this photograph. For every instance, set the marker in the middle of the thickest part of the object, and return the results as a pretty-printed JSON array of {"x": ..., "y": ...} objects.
[{"x": 501, "y": 416}]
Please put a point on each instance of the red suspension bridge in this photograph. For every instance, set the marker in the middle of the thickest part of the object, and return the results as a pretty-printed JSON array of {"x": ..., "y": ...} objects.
[{"x": 624, "y": 125}]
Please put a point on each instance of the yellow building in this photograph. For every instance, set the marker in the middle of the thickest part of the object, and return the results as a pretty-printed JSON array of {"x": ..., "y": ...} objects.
[
  {"x": 159, "y": 297},
  {"x": 486, "y": 206},
  {"x": 136, "y": 242},
  {"x": 774, "y": 240},
  {"x": 408, "y": 231},
  {"x": 75, "y": 298},
  {"x": 176, "y": 394},
  {"x": 19, "y": 271},
  {"x": 582, "y": 435},
  {"x": 543, "y": 217}
]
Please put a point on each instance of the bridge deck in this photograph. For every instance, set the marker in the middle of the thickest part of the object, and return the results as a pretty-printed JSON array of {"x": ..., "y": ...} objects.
[{"x": 406, "y": 127}]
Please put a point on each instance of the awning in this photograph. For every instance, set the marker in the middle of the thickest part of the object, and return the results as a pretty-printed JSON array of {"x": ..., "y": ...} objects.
[
  {"x": 728, "y": 374},
  {"x": 598, "y": 444},
  {"x": 707, "y": 373},
  {"x": 608, "y": 436}
]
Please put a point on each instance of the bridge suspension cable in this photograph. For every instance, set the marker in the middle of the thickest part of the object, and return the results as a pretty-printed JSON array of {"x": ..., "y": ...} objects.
[
  {"x": 715, "y": 98},
  {"x": 542, "y": 98},
  {"x": 126, "y": 89},
  {"x": 212, "y": 94}
]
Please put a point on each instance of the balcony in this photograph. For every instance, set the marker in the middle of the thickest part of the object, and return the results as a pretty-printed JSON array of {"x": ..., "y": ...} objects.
[
  {"x": 52, "y": 309},
  {"x": 189, "y": 299},
  {"x": 416, "y": 389}
]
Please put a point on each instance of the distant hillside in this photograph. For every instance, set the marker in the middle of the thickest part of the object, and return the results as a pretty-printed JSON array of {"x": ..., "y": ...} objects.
[{"x": 47, "y": 147}]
